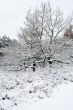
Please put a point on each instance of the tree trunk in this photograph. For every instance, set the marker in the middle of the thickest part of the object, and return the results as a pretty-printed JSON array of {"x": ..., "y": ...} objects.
[{"x": 50, "y": 40}]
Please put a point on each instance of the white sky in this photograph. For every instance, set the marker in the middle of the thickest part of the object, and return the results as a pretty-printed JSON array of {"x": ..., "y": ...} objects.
[{"x": 12, "y": 13}]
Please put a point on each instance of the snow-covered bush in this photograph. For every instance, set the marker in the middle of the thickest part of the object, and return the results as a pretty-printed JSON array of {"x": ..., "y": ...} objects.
[{"x": 5, "y": 41}]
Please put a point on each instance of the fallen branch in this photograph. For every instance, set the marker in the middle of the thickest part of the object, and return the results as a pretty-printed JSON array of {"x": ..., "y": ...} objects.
[{"x": 61, "y": 62}]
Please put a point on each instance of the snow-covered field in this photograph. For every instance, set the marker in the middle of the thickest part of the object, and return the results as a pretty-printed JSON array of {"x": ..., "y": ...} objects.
[
  {"x": 62, "y": 99},
  {"x": 17, "y": 88},
  {"x": 24, "y": 89}
]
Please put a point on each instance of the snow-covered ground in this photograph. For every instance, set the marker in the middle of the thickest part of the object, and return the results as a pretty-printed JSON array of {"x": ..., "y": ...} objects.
[
  {"x": 24, "y": 89},
  {"x": 62, "y": 99},
  {"x": 19, "y": 89}
]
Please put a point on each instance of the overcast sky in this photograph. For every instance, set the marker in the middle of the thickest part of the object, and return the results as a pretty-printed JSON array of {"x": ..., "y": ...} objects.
[{"x": 12, "y": 13}]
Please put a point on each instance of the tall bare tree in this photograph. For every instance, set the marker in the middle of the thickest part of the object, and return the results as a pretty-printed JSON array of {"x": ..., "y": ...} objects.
[{"x": 44, "y": 21}]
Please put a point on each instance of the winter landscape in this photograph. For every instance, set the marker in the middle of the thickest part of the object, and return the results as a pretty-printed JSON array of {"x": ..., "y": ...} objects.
[{"x": 36, "y": 70}]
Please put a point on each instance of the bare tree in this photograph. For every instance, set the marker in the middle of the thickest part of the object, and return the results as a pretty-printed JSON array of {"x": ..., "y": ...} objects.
[
  {"x": 29, "y": 32},
  {"x": 55, "y": 23},
  {"x": 44, "y": 21},
  {"x": 33, "y": 30}
]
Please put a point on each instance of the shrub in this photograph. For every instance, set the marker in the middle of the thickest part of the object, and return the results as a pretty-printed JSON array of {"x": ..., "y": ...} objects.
[{"x": 5, "y": 41}]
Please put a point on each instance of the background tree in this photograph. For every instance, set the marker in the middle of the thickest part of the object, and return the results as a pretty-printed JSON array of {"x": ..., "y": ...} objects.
[
  {"x": 69, "y": 32},
  {"x": 55, "y": 22}
]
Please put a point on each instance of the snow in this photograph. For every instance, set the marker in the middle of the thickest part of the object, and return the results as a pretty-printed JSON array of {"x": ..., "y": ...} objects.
[
  {"x": 49, "y": 87},
  {"x": 20, "y": 89},
  {"x": 61, "y": 99}
]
